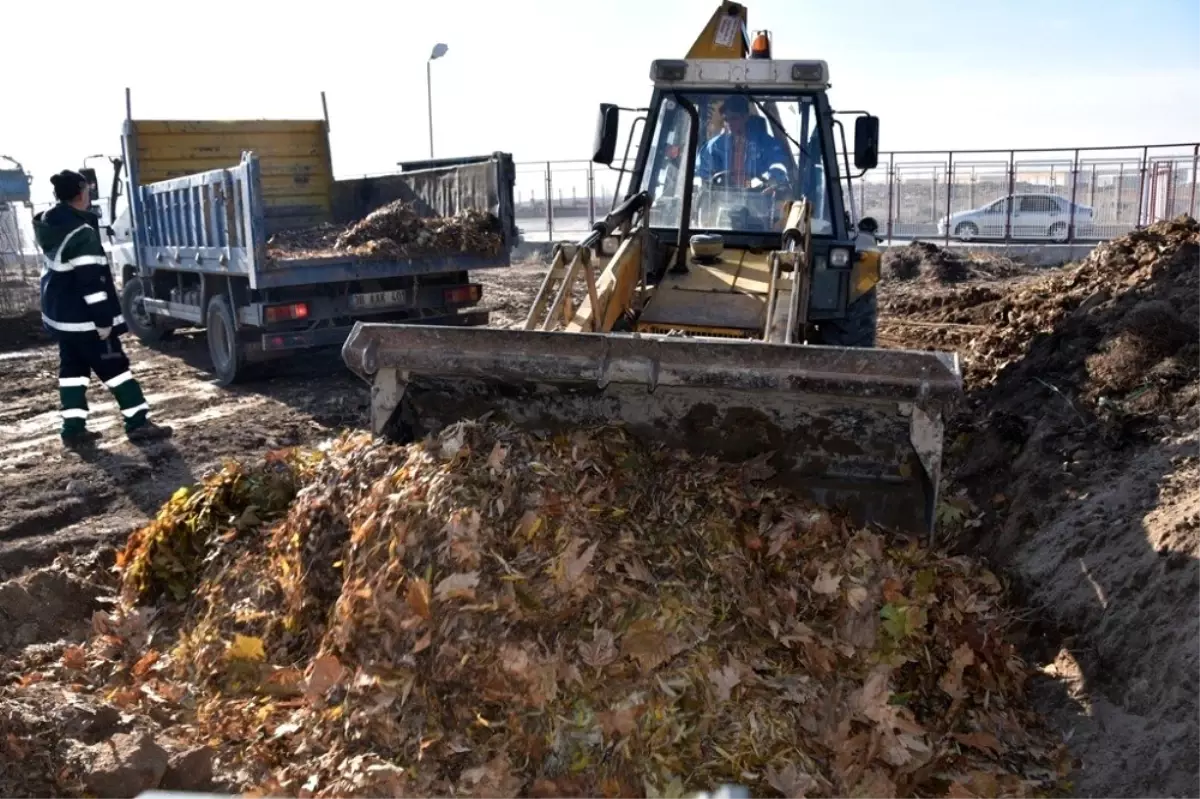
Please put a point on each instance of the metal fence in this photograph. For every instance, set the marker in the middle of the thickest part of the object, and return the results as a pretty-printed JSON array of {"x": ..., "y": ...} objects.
[{"x": 911, "y": 192}]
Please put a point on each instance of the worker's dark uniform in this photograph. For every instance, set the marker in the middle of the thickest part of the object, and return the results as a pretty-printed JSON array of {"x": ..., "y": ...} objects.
[{"x": 78, "y": 296}]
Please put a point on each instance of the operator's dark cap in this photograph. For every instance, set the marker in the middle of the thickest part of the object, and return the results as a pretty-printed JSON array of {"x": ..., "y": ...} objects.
[
  {"x": 67, "y": 185},
  {"x": 736, "y": 104}
]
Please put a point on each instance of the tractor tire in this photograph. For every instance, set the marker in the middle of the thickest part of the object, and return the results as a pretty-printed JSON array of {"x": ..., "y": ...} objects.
[
  {"x": 225, "y": 349},
  {"x": 857, "y": 328}
]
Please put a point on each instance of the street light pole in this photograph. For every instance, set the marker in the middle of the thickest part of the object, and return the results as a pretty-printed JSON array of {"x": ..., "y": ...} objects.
[{"x": 439, "y": 50}]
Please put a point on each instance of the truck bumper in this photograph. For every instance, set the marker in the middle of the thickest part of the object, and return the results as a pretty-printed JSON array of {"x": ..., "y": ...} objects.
[{"x": 284, "y": 341}]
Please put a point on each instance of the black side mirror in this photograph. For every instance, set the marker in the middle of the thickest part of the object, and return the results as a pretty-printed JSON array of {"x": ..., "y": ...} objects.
[
  {"x": 868, "y": 225},
  {"x": 866, "y": 142},
  {"x": 605, "y": 146}
]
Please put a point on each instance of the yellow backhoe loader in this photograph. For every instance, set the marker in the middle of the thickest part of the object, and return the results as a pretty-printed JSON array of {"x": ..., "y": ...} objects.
[{"x": 736, "y": 314}]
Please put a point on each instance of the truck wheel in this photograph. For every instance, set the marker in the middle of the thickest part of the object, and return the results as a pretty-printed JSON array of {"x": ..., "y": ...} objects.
[
  {"x": 224, "y": 348},
  {"x": 141, "y": 323},
  {"x": 857, "y": 328}
]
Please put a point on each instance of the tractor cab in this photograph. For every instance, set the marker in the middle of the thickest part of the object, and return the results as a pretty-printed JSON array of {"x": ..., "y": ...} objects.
[{"x": 730, "y": 150}]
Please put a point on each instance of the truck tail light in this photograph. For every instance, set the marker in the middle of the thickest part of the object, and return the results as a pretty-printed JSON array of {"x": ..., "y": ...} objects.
[
  {"x": 460, "y": 294},
  {"x": 286, "y": 313}
]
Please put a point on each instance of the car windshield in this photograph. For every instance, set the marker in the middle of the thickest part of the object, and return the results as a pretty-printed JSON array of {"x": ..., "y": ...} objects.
[{"x": 754, "y": 154}]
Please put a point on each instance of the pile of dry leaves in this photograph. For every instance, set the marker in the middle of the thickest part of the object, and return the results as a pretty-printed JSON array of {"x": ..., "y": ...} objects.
[
  {"x": 396, "y": 230},
  {"x": 486, "y": 614}
]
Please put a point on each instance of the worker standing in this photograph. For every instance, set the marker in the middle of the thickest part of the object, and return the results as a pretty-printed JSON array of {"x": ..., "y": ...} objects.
[{"x": 81, "y": 312}]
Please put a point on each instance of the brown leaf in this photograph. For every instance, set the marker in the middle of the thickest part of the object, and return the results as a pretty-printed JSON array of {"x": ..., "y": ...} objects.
[
  {"x": 74, "y": 657},
  {"x": 724, "y": 680},
  {"x": 618, "y": 722},
  {"x": 423, "y": 643},
  {"x": 826, "y": 583},
  {"x": 645, "y": 643},
  {"x": 496, "y": 458},
  {"x": 951, "y": 680},
  {"x": 325, "y": 673},
  {"x": 418, "y": 597},
  {"x": 600, "y": 651},
  {"x": 493, "y": 779},
  {"x": 574, "y": 562},
  {"x": 144, "y": 664},
  {"x": 983, "y": 741},
  {"x": 791, "y": 781},
  {"x": 458, "y": 586}
]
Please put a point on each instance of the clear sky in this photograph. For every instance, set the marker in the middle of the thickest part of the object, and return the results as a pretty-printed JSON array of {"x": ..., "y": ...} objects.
[{"x": 525, "y": 76}]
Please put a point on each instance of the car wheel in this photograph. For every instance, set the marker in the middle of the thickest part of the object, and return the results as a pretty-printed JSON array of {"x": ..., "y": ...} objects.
[
  {"x": 965, "y": 231},
  {"x": 1059, "y": 232}
]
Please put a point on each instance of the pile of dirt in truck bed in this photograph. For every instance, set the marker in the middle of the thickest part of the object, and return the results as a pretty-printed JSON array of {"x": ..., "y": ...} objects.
[
  {"x": 396, "y": 230},
  {"x": 926, "y": 261},
  {"x": 1077, "y": 450},
  {"x": 489, "y": 614}
]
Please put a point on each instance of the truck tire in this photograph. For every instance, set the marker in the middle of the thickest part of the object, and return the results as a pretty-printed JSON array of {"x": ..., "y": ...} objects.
[
  {"x": 142, "y": 324},
  {"x": 225, "y": 349},
  {"x": 857, "y": 328}
]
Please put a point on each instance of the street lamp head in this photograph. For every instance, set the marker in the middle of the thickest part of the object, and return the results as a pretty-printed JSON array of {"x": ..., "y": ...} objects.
[{"x": 439, "y": 50}]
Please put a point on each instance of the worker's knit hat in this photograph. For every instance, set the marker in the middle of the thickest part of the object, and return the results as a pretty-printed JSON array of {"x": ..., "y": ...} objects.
[{"x": 67, "y": 185}]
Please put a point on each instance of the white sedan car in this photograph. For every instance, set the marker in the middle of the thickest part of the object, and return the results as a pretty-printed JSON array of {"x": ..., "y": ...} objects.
[{"x": 1034, "y": 216}]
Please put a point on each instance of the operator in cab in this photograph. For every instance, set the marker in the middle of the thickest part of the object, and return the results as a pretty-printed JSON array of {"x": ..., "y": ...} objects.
[
  {"x": 744, "y": 150},
  {"x": 81, "y": 312}
]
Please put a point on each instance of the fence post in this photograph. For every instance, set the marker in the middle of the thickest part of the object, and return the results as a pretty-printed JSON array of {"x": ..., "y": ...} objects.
[
  {"x": 1195, "y": 163},
  {"x": 591, "y": 190},
  {"x": 1120, "y": 189},
  {"x": 1074, "y": 187},
  {"x": 1092, "y": 191},
  {"x": 949, "y": 184},
  {"x": 1142, "y": 187},
  {"x": 549, "y": 206},
  {"x": 891, "y": 173},
  {"x": 1012, "y": 185}
]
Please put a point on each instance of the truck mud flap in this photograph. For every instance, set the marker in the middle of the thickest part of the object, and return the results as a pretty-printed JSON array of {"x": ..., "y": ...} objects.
[{"x": 859, "y": 429}]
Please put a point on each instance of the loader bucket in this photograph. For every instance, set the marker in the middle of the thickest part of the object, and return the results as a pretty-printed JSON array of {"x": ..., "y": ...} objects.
[{"x": 858, "y": 429}]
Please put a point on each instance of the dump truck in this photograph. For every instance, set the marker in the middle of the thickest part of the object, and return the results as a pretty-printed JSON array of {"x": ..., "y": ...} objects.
[
  {"x": 205, "y": 198},
  {"x": 737, "y": 313}
]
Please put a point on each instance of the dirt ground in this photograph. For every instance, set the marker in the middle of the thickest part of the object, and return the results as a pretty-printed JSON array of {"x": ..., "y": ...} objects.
[
  {"x": 1079, "y": 485},
  {"x": 50, "y": 499}
]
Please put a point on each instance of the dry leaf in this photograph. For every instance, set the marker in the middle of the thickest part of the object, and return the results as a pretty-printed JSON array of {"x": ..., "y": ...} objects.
[
  {"x": 984, "y": 741},
  {"x": 325, "y": 672},
  {"x": 247, "y": 647},
  {"x": 951, "y": 680},
  {"x": 458, "y": 586},
  {"x": 418, "y": 597},
  {"x": 826, "y": 583},
  {"x": 74, "y": 657},
  {"x": 600, "y": 651},
  {"x": 724, "y": 680},
  {"x": 791, "y": 781},
  {"x": 574, "y": 562},
  {"x": 496, "y": 458}
]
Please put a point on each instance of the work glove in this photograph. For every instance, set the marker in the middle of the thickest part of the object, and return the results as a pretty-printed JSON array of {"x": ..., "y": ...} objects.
[{"x": 103, "y": 333}]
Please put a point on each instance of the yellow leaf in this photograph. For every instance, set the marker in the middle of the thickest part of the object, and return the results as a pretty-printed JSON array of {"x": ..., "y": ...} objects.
[{"x": 247, "y": 647}]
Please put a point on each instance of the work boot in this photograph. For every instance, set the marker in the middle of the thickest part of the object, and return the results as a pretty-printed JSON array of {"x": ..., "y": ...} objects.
[
  {"x": 84, "y": 439},
  {"x": 148, "y": 431}
]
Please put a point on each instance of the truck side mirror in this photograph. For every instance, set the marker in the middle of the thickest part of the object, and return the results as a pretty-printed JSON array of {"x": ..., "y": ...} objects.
[
  {"x": 605, "y": 146},
  {"x": 866, "y": 142}
]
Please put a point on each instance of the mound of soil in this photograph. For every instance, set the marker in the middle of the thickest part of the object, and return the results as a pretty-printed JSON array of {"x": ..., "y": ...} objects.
[
  {"x": 1078, "y": 443},
  {"x": 927, "y": 261},
  {"x": 396, "y": 230}
]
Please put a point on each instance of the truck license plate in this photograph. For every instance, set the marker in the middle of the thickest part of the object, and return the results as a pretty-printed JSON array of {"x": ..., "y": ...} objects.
[{"x": 378, "y": 299}]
